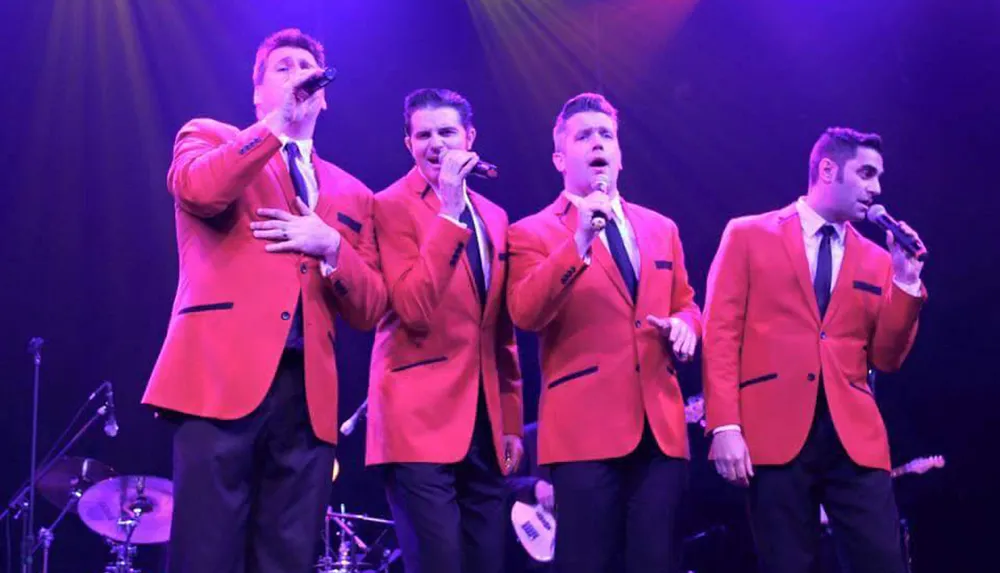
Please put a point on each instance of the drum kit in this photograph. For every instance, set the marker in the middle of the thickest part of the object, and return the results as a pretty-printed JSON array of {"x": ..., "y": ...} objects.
[
  {"x": 127, "y": 511},
  {"x": 353, "y": 554}
]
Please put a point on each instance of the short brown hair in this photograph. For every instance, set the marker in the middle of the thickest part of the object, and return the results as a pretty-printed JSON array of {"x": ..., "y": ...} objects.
[
  {"x": 840, "y": 144},
  {"x": 579, "y": 104},
  {"x": 280, "y": 39},
  {"x": 433, "y": 98}
]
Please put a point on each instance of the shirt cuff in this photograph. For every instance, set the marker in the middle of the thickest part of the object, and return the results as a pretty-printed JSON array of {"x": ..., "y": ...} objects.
[
  {"x": 325, "y": 269},
  {"x": 727, "y": 428},
  {"x": 912, "y": 289}
]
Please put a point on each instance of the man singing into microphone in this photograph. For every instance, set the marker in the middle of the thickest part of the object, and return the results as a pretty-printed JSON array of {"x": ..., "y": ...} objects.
[
  {"x": 613, "y": 310},
  {"x": 444, "y": 400},
  {"x": 274, "y": 243},
  {"x": 799, "y": 306}
]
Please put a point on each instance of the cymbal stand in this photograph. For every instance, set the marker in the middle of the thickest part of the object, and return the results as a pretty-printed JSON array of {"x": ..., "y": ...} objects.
[
  {"x": 131, "y": 517},
  {"x": 387, "y": 556},
  {"x": 46, "y": 535},
  {"x": 123, "y": 553},
  {"x": 346, "y": 561},
  {"x": 325, "y": 563},
  {"x": 45, "y": 538},
  {"x": 348, "y": 548}
]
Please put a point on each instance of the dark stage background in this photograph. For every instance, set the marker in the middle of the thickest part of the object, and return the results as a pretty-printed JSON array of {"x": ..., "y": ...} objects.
[{"x": 720, "y": 101}]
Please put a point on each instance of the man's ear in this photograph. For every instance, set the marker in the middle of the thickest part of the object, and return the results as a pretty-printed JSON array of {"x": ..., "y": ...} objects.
[{"x": 559, "y": 160}]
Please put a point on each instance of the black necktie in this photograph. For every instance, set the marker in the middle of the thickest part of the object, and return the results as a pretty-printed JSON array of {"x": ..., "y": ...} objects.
[
  {"x": 822, "y": 284},
  {"x": 475, "y": 257},
  {"x": 298, "y": 180},
  {"x": 296, "y": 337},
  {"x": 617, "y": 247}
]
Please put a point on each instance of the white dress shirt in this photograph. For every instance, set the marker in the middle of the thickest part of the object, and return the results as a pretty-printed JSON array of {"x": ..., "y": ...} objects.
[{"x": 811, "y": 235}]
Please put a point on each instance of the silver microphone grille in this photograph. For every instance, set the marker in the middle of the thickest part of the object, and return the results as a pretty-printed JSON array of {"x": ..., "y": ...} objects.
[{"x": 875, "y": 212}]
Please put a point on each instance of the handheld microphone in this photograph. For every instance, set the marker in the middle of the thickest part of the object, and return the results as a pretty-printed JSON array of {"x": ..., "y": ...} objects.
[
  {"x": 111, "y": 422},
  {"x": 599, "y": 220},
  {"x": 486, "y": 170},
  {"x": 347, "y": 428},
  {"x": 881, "y": 218},
  {"x": 314, "y": 83}
]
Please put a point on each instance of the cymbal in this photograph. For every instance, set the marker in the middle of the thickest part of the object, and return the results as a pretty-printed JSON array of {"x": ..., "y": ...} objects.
[
  {"x": 69, "y": 477},
  {"x": 111, "y": 506}
]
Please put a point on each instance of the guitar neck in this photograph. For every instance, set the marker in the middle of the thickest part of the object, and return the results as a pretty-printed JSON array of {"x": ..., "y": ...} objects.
[{"x": 917, "y": 466}]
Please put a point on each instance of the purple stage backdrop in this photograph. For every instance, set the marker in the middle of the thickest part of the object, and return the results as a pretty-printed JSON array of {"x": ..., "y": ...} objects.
[{"x": 720, "y": 102}]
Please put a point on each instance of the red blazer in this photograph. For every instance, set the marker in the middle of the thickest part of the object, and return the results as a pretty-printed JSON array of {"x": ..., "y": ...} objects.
[
  {"x": 603, "y": 365},
  {"x": 234, "y": 300},
  {"x": 765, "y": 345},
  {"x": 436, "y": 343}
]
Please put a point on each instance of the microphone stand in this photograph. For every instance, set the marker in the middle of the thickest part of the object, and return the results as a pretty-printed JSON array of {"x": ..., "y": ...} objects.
[
  {"x": 18, "y": 504},
  {"x": 28, "y": 527}
]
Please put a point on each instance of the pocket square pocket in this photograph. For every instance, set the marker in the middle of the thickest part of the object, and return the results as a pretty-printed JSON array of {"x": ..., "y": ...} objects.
[
  {"x": 351, "y": 223},
  {"x": 868, "y": 287},
  {"x": 664, "y": 265}
]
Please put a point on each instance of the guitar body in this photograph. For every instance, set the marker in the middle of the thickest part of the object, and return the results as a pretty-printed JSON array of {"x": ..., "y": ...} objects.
[{"x": 535, "y": 529}]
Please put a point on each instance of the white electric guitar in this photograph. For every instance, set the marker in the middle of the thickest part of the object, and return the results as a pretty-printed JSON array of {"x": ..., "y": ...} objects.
[
  {"x": 536, "y": 530},
  {"x": 917, "y": 466},
  {"x": 535, "y": 526}
]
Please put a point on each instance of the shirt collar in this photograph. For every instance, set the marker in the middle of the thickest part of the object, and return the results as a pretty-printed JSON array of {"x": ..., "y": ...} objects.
[
  {"x": 616, "y": 204},
  {"x": 812, "y": 221},
  {"x": 305, "y": 145}
]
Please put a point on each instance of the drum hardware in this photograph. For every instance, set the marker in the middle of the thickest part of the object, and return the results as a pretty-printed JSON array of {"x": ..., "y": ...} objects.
[
  {"x": 128, "y": 511},
  {"x": 352, "y": 551},
  {"x": 56, "y": 477}
]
